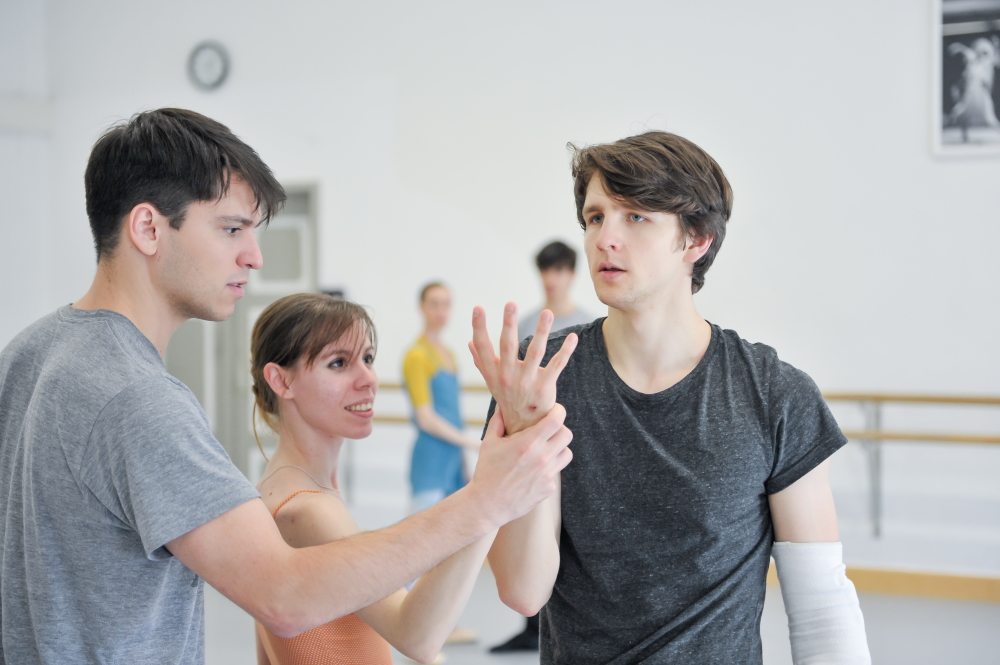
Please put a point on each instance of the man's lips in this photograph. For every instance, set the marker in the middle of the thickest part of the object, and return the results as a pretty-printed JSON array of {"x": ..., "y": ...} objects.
[
  {"x": 237, "y": 287},
  {"x": 609, "y": 270}
]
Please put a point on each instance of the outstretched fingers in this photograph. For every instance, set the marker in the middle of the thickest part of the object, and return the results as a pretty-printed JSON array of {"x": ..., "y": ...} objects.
[
  {"x": 559, "y": 361},
  {"x": 482, "y": 347},
  {"x": 508, "y": 340},
  {"x": 536, "y": 348}
]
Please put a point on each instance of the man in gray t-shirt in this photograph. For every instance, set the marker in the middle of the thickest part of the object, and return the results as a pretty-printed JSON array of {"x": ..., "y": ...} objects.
[
  {"x": 115, "y": 500},
  {"x": 122, "y": 461},
  {"x": 556, "y": 264}
]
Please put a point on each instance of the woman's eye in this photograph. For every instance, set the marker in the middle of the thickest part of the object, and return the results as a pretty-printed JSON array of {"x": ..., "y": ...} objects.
[
  {"x": 337, "y": 362},
  {"x": 369, "y": 359}
]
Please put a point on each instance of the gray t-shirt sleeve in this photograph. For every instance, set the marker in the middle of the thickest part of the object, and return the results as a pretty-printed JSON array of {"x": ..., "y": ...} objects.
[
  {"x": 154, "y": 464},
  {"x": 803, "y": 429}
]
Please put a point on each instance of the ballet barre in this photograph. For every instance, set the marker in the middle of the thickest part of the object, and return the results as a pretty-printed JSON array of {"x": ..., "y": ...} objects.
[{"x": 871, "y": 436}]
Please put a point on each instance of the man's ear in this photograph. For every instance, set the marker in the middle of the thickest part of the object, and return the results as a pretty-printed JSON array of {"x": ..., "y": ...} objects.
[
  {"x": 145, "y": 227},
  {"x": 280, "y": 380},
  {"x": 696, "y": 247}
]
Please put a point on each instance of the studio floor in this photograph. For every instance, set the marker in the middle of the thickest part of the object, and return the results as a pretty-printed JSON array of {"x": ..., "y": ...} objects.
[{"x": 901, "y": 631}]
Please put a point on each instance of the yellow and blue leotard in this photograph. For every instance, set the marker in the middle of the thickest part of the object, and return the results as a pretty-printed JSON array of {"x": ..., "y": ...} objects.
[{"x": 436, "y": 464}]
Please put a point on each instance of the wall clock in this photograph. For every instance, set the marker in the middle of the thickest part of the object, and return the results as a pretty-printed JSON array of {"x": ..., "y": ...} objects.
[{"x": 208, "y": 65}]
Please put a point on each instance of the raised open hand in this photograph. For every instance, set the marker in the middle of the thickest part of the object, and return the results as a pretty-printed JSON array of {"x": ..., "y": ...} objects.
[{"x": 524, "y": 390}]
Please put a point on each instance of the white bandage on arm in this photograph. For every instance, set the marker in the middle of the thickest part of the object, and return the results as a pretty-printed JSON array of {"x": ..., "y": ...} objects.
[{"x": 825, "y": 625}]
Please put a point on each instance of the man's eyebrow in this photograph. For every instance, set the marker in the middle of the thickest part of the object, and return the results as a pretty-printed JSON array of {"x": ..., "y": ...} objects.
[{"x": 239, "y": 219}]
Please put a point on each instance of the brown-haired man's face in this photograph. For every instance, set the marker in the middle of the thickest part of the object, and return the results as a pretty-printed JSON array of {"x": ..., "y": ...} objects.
[
  {"x": 635, "y": 256},
  {"x": 205, "y": 265}
]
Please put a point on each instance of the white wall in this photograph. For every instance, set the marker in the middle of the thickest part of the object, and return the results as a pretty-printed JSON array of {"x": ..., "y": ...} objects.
[
  {"x": 24, "y": 162},
  {"x": 437, "y": 134}
]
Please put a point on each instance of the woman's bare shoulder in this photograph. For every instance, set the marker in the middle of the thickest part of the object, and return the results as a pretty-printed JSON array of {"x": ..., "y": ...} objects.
[
  {"x": 307, "y": 514},
  {"x": 314, "y": 519}
]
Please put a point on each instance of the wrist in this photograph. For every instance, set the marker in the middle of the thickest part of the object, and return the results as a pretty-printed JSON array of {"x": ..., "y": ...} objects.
[
  {"x": 519, "y": 422},
  {"x": 484, "y": 506}
]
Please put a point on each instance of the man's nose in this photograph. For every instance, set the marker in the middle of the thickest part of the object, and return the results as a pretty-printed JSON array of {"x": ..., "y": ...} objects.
[
  {"x": 251, "y": 256},
  {"x": 609, "y": 235}
]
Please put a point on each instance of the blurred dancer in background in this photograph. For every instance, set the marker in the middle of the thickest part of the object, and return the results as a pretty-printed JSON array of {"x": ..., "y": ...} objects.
[
  {"x": 557, "y": 267},
  {"x": 430, "y": 375}
]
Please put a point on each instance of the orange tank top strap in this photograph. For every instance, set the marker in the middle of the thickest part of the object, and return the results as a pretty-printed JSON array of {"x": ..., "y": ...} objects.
[{"x": 274, "y": 513}]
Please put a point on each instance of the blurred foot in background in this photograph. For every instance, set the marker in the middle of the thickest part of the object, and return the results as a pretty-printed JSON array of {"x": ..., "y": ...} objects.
[{"x": 526, "y": 640}]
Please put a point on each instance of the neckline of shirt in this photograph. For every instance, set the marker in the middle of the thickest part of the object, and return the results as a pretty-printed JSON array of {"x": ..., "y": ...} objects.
[
  {"x": 663, "y": 395},
  {"x": 135, "y": 337}
]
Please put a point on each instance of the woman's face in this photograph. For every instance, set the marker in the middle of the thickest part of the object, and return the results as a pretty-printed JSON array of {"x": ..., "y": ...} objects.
[
  {"x": 436, "y": 307},
  {"x": 336, "y": 393}
]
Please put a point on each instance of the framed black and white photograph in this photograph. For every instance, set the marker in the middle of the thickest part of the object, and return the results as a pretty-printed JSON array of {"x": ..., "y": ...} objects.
[{"x": 967, "y": 92}]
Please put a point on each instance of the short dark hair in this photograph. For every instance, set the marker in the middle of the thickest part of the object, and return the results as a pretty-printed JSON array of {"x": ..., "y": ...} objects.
[
  {"x": 168, "y": 158},
  {"x": 661, "y": 172},
  {"x": 556, "y": 254}
]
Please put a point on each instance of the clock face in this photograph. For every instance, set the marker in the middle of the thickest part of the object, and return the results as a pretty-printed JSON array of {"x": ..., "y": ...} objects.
[{"x": 208, "y": 65}]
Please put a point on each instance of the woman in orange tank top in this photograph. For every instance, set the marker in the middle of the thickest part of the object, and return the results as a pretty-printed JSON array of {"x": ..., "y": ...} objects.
[{"x": 314, "y": 385}]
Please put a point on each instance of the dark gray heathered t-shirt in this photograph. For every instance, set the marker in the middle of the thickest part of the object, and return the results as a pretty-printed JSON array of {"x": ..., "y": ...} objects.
[
  {"x": 666, "y": 530},
  {"x": 104, "y": 458}
]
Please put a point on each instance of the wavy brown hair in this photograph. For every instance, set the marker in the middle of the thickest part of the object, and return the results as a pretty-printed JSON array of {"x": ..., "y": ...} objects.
[
  {"x": 297, "y": 327},
  {"x": 661, "y": 172}
]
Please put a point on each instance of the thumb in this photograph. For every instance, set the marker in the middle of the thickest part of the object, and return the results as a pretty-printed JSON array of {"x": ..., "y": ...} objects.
[{"x": 496, "y": 424}]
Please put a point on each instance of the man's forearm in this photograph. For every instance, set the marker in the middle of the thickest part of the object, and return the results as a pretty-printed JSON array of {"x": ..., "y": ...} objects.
[
  {"x": 319, "y": 584},
  {"x": 525, "y": 558},
  {"x": 242, "y": 554},
  {"x": 825, "y": 623}
]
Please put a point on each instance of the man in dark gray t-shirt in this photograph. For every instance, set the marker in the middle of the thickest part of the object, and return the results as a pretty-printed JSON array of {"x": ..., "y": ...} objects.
[
  {"x": 697, "y": 455},
  {"x": 666, "y": 530}
]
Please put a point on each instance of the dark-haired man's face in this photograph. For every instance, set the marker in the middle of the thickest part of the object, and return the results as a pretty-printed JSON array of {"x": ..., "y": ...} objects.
[
  {"x": 557, "y": 281},
  {"x": 635, "y": 256},
  {"x": 204, "y": 266}
]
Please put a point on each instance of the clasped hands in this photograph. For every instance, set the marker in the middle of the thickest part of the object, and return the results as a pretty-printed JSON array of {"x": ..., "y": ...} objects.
[{"x": 524, "y": 390}]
